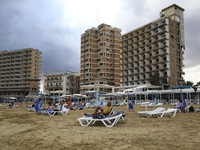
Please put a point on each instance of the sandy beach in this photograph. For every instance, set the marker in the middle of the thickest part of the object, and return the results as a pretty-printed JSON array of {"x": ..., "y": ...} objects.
[{"x": 24, "y": 130}]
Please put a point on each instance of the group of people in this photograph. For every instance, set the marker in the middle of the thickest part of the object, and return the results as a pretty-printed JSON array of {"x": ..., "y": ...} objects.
[
  {"x": 50, "y": 107},
  {"x": 11, "y": 104},
  {"x": 180, "y": 105},
  {"x": 117, "y": 101}
]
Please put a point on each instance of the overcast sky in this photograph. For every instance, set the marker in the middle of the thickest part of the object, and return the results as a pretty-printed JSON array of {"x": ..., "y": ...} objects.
[{"x": 55, "y": 27}]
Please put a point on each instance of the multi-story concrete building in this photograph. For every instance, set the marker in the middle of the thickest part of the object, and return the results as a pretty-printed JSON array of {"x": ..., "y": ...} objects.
[
  {"x": 156, "y": 47},
  {"x": 62, "y": 80},
  {"x": 19, "y": 72},
  {"x": 100, "y": 53}
]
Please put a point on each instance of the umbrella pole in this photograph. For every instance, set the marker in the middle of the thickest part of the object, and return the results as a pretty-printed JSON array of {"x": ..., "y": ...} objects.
[
  {"x": 181, "y": 93},
  {"x": 135, "y": 98},
  {"x": 127, "y": 102},
  {"x": 94, "y": 103}
]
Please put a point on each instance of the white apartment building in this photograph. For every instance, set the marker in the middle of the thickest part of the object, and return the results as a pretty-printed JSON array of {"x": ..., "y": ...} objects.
[{"x": 62, "y": 80}]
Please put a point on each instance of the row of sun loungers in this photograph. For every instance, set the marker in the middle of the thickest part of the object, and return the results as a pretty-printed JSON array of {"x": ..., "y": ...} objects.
[
  {"x": 148, "y": 104},
  {"x": 111, "y": 120},
  {"x": 9, "y": 106},
  {"x": 62, "y": 110},
  {"x": 52, "y": 112},
  {"x": 159, "y": 112}
]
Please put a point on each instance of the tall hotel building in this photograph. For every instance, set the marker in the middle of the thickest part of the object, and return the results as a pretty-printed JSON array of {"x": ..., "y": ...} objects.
[
  {"x": 100, "y": 56},
  {"x": 156, "y": 47},
  {"x": 19, "y": 72}
]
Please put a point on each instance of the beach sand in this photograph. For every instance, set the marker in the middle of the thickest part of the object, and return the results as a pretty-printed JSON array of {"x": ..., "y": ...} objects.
[{"x": 24, "y": 130}]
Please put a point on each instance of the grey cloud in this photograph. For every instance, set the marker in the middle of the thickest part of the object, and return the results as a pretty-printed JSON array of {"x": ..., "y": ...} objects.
[
  {"x": 143, "y": 14},
  {"x": 192, "y": 39},
  {"x": 22, "y": 27}
]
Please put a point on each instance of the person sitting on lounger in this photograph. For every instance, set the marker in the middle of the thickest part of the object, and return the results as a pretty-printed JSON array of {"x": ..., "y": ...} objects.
[
  {"x": 53, "y": 107},
  {"x": 50, "y": 105},
  {"x": 11, "y": 104},
  {"x": 80, "y": 104},
  {"x": 62, "y": 107},
  {"x": 180, "y": 105},
  {"x": 104, "y": 112},
  {"x": 116, "y": 101},
  {"x": 33, "y": 105}
]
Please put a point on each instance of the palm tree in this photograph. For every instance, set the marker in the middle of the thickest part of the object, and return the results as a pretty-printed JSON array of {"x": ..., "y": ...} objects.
[
  {"x": 197, "y": 84},
  {"x": 190, "y": 83},
  {"x": 155, "y": 79}
]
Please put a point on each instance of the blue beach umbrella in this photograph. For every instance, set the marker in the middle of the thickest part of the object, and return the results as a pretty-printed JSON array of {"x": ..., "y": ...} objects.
[
  {"x": 41, "y": 95},
  {"x": 54, "y": 96},
  {"x": 96, "y": 94}
]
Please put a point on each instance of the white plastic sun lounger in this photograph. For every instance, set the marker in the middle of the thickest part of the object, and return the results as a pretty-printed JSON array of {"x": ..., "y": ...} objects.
[
  {"x": 197, "y": 110},
  {"x": 108, "y": 122},
  {"x": 159, "y": 104},
  {"x": 144, "y": 104},
  {"x": 52, "y": 113},
  {"x": 187, "y": 108},
  {"x": 144, "y": 113},
  {"x": 150, "y": 105},
  {"x": 171, "y": 112}
]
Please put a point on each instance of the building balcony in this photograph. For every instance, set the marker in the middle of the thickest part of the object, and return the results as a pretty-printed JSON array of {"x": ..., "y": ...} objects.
[
  {"x": 54, "y": 80},
  {"x": 53, "y": 86}
]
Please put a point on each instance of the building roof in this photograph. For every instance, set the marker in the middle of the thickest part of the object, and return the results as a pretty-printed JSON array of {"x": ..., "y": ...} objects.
[
  {"x": 19, "y": 50},
  {"x": 173, "y": 5}
]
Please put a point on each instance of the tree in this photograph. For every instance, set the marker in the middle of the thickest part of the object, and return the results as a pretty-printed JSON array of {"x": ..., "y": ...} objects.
[
  {"x": 197, "y": 84},
  {"x": 190, "y": 83},
  {"x": 155, "y": 79}
]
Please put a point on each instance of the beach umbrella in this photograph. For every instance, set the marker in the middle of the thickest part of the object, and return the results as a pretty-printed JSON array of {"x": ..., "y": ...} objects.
[
  {"x": 41, "y": 94},
  {"x": 13, "y": 98},
  {"x": 95, "y": 95},
  {"x": 181, "y": 87},
  {"x": 4, "y": 99},
  {"x": 54, "y": 96},
  {"x": 59, "y": 92}
]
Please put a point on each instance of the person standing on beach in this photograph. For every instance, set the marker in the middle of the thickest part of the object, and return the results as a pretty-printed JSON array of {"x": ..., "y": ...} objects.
[
  {"x": 22, "y": 103},
  {"x": 167, "y": 99},
  {"x": 124, "y": 99},
  {"x": 37, "y": 106},
  {"x": 69, "y": 102}
]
